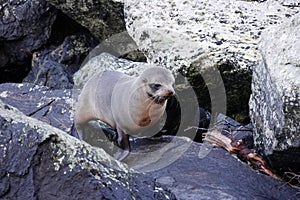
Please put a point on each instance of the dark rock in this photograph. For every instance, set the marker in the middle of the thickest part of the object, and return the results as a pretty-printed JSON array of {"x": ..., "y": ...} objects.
[
  {"x": 54, "y": 67},
  {"x": 51, "y": 106},
  {"x": 65, "y": 26},
  {"x": 176, "y": 163},
  {"x": 103, "y": 18},
  {"x": 24, "y": 25},
  {"x": 38, "y": 161},
  {"x": 180, "y": 164}
]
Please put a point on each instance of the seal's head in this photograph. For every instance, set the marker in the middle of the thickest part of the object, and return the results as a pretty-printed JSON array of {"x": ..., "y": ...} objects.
[{"x": 158, "y": 83}]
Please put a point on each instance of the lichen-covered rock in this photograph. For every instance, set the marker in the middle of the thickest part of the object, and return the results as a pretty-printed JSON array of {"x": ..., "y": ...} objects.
[
  {"x": 38, "y": 161},
  {"x": 180, "y": 32},
  {"x": 54, "y": 67},
  {"x": 24, "y": 25},
  {"x": 275, "y": 99},
  {"x": 103, "y": 18},
  {"x": 215, "y": 34}
]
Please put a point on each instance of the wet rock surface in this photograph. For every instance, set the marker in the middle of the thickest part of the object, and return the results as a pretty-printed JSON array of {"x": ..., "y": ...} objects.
[{"x": 275, "y": 100}]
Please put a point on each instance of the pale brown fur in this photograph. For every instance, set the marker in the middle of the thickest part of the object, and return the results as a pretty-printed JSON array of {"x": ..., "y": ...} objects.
[{"x": 128, "y": 104}]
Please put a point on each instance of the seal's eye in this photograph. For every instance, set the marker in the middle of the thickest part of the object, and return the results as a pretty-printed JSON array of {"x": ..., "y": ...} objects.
[{"x": 155, "y": 86}]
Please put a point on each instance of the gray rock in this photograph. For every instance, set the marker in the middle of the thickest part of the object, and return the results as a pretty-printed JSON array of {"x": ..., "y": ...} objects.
[
  {"x": 39, "y": 161},
  {"x": 24, "y": 25},
  {"x": 275, "y": 99},
  {"x": 103, "y": 18},
  {"x": 209, "y": 35},
  {"x": 54, "y": 67}
]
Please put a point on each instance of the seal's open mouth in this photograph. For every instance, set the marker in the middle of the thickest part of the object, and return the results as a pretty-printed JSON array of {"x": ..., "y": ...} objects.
[{"x": 157, "y": 99}]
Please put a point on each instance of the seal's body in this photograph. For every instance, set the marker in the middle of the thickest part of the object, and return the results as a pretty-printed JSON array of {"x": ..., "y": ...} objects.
[{"x": 126, "y": 103}]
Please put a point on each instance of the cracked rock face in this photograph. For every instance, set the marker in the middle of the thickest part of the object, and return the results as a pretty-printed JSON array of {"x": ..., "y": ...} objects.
[{"x": 275, "y": 101}]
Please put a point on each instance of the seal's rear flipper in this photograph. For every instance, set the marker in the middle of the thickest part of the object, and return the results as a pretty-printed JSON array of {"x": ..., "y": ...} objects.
[{"x": 121, "y": 154}]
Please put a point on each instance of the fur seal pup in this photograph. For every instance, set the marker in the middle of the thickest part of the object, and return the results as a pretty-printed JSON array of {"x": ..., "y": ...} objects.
[{"x": 128, "y": 104}]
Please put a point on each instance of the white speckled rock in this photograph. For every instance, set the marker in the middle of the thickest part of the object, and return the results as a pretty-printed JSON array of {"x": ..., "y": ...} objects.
[
  {"x": 275, "y": 99},
  {"x": 207, "y": 35},
  {"x": 175, "y": 33}
]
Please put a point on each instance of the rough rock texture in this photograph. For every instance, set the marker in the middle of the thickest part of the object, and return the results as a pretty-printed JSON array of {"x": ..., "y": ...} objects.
[
  {"x": 53, "y": 107},
  {"x": 24, "y": 25},
  {"x": 215, "y": 34},
  {"x": 236, "y": 131},
  {"x": 176, "y": 33},
  {"x": 103, "y": 18},
  {"x": 39, "y": 161},
  {"x": 275, "y": 101},
  {"x": 175, "y": 162},
  {"x": 54, "y": 67}
]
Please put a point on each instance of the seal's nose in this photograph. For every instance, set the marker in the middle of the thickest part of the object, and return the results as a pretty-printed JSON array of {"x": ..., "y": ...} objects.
[{"x": 170, "y": 92}]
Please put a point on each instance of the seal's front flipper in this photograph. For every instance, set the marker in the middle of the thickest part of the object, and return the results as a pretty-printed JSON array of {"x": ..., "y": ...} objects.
[
  {"x": 123, "y": 144},
  {"x": 123, "y": 140}
]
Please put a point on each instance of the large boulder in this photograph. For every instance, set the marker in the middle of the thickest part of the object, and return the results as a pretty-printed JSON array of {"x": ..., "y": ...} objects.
[
  {"x": 24, "y": 27},
  {"x": 207, "y": 35},
  {"x": 275, "y": 99},
  {"x": 103, "y": 18}
]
